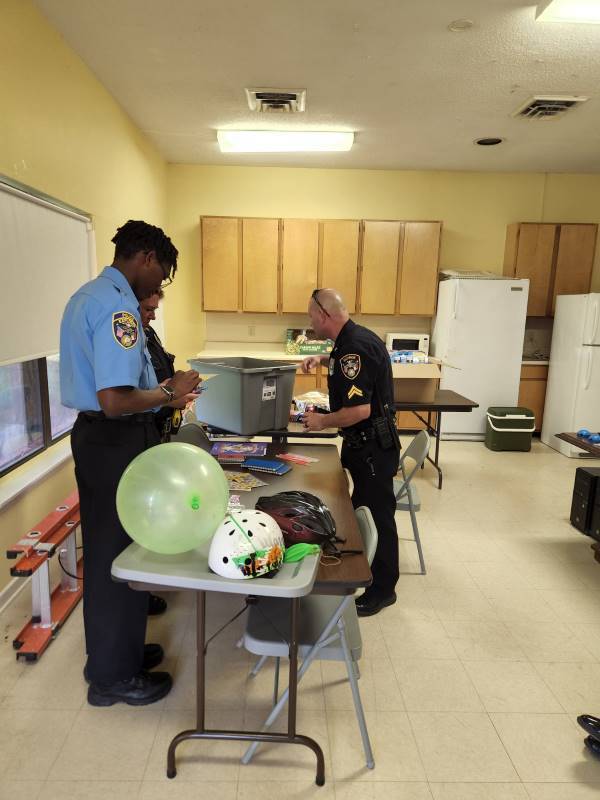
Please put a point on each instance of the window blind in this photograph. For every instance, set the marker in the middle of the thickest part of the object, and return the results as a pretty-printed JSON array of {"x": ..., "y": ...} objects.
[{"x": 46, "y": 253}]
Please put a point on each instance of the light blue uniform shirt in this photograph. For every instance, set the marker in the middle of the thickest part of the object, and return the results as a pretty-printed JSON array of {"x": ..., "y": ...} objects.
[{"x": 102, "y": 342}]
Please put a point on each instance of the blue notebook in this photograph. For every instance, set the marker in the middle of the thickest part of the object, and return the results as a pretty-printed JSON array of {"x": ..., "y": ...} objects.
[{"x": 265, "y": 465}]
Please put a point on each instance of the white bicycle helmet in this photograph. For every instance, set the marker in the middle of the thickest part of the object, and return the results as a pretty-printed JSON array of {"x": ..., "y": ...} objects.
[{"x": 247, "y": 544}]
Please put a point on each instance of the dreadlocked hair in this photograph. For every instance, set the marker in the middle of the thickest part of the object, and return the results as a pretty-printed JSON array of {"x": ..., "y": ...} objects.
[{"x": 136, "y": 235}]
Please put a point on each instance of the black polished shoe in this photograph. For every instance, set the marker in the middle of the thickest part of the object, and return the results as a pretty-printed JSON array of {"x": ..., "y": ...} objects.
[
  {"x": 593, "y": 745},
  {"x": 590, "y": 725},
  {"x": 156, "y": 605},
  {"x": 368, "y": 605},
  {"x": 153, "y": 655},
  {"x": 141, "y": 690}
]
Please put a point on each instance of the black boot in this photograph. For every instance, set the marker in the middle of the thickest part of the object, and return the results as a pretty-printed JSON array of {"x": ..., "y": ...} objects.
[{"x": 141, "y": 690}]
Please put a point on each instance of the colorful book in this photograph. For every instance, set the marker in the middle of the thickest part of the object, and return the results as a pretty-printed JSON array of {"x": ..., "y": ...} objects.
[
  {"x": 266, "y": 465},
  {"x": 237, "y": 452}
]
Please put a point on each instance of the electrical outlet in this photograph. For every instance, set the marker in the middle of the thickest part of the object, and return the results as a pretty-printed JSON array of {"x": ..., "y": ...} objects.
[{"x": 251, "y": 330}]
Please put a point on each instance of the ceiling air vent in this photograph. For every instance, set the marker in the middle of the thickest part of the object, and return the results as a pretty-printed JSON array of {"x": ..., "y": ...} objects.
[
  {"x": 549, "y": 107},
  {"x": 283, "y": 101}
]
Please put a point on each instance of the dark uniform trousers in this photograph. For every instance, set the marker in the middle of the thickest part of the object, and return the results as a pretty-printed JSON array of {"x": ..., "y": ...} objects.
[
  {"x": 114, "y": 615},
  {"x": 373, "y": 470}
]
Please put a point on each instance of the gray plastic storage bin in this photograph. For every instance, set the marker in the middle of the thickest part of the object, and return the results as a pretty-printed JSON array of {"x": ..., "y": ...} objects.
[
  {"x": 509, "y": 428},
  {"x": 247, "y": 395}
]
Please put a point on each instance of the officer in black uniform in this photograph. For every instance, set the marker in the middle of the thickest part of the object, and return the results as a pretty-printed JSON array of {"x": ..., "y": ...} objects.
[
  {"x": 167, "y": 419},
  {"x": 106, "y": 374},
  {"x": 360, "y": 397}
]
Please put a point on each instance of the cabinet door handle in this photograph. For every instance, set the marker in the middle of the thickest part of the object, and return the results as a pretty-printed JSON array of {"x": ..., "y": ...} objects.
[{"x": 594, "y": 324}]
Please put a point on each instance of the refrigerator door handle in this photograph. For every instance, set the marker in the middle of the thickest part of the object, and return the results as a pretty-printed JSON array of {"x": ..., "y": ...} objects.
[
  {"x": 594, "y": 330},
  {"x": 588, "y": 371},
  {"x": 455, "y": 310}
]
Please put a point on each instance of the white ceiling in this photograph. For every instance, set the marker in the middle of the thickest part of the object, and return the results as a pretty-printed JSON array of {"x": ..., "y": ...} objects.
[{"x": 416, "y": 94}]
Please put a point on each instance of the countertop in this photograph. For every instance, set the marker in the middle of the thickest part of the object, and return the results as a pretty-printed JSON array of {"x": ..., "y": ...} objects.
[{"x": 268, "y": 352}]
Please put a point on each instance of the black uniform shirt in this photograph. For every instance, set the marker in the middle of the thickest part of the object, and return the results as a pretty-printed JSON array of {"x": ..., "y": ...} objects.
[
  {"x": 161, "y": 361},
  {"x": 360, "y": 372}
]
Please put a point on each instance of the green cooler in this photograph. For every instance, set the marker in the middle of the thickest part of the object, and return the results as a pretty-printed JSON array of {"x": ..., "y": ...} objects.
[{"x": 509, "y": 428}]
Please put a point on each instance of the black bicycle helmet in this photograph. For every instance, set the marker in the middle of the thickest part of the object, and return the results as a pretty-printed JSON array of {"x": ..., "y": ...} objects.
[{"x": 302, "y": 517}]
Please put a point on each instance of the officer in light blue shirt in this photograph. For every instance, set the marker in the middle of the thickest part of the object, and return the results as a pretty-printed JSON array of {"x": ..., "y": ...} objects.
[
  {"x": 102, "y": 342},
  {"x": 107, "y": 375}
]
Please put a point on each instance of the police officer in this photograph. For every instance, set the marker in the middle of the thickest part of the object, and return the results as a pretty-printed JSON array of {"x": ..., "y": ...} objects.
[
  {"x": 106, "y": 374},
  {"x": 360, "y": 395},
  {"x": 167, "y": 419}
]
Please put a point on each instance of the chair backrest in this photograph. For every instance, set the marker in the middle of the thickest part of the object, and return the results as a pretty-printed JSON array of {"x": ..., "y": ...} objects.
[
  {"x": 417, "y": 451},
  {"x": 193, "y": 433},
  {"x": 368, "y": 532}
]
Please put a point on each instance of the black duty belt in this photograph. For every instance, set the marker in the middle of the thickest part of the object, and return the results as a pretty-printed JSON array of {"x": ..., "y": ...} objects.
[
  {"x": 143, "y": 418},
  {"x": 357, "y": 439}
]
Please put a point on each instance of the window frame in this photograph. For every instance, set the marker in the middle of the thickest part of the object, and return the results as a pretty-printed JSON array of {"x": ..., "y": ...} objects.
[{"x": 48, "y": 441}]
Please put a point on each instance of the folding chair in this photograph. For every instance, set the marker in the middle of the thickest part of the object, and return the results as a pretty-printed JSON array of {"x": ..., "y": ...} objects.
[
  {"x": 407, "y": 496},
  {"x": 193, "y": 433},
  {"x": 328, "y": 630}
]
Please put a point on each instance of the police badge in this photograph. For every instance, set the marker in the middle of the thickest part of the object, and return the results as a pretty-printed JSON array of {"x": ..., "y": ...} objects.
[
  {"x": 125, "y": 329},
  {"x": 350, "y": 365}
]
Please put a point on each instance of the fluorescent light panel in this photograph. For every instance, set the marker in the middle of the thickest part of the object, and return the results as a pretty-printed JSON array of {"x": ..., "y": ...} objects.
[
  {"x": 569, "y": 11},
  {"x": 284, "y": 141}
]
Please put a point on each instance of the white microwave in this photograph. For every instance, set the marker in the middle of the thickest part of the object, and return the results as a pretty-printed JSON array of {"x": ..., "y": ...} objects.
[{"x": 408, "y": 341}]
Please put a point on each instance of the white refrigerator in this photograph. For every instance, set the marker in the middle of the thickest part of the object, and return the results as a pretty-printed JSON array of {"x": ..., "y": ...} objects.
[
  {"x": 478, "y": 333},
  {"x": 573, "y": 390}
]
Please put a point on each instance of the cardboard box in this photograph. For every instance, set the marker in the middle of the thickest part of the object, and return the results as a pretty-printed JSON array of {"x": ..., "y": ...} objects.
[
  {"x": 302, "y": 341},
  {"x": 416, "y": 383}
]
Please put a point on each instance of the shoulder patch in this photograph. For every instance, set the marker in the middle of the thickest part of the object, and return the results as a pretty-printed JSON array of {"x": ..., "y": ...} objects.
[
  {"x": 125, "y": 329},
  {"x": 354, "y": 391},
  {"x": 350, "y": 365}
]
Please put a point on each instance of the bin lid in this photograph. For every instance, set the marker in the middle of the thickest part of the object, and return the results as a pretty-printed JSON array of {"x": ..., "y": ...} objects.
[
  {"x": 502, "y": 412},
  {"x": 244, "y": 364}
]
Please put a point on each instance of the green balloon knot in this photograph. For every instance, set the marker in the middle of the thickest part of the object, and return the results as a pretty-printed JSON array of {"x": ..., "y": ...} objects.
[{"x": 195, "y": 502}]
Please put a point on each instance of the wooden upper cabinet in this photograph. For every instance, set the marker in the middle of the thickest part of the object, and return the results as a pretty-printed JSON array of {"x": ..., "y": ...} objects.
[
  {"x": 575, "y": 260},
  {"x": 529, "y": 254},
  {"x": 260, "y": 261},
  {"x": 419, "y": 268},
  {"x": 220, "y": 263},
  {"x": 299, "y": 263},
  {"x": 381, "y": 241},
  {"x": 339, "y": 258}
]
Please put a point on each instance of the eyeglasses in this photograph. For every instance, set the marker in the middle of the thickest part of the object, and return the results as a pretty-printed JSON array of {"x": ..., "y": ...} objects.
[{"x": 314, "y": 296}]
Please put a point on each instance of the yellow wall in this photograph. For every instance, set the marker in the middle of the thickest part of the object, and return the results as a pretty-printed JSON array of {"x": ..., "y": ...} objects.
[
  {"x": 475, "y": 209},
  {"x": 63, "y": 134}
]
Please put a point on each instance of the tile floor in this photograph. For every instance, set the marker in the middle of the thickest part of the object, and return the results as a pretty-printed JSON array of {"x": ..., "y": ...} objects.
[{"x": 471, "y": 683}]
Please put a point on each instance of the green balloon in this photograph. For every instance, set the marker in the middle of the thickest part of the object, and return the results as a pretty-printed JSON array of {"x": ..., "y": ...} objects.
[{"x": 172, "y": 497}]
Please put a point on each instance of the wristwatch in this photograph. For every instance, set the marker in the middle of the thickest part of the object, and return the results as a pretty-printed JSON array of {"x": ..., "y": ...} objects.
[{"x": 169, "y": 392}]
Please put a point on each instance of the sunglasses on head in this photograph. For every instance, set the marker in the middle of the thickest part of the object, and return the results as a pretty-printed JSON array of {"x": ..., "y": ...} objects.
[{"x": 314, "y": 296}]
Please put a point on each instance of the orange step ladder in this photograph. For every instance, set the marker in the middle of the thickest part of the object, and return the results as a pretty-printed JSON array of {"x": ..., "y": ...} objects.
[{"x": 54, "y": 535}]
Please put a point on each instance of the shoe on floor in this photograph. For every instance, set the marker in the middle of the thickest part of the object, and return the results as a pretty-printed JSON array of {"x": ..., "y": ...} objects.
[
  {"x": 590, "y": 724},
  {"x": 141, "y": 690},
  {"x": 153, "y": 655},
  {"x": 156, "y": 605},
  {"x": 593, "y": 745},
  {"x": 369, "y": 604}
]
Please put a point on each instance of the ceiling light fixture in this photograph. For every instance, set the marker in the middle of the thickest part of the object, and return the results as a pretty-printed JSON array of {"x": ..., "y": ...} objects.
[
  {"x": 569, "y": 11},
  {"x": 284, "y": 141},
  {"x": 488, "y": 141}
]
